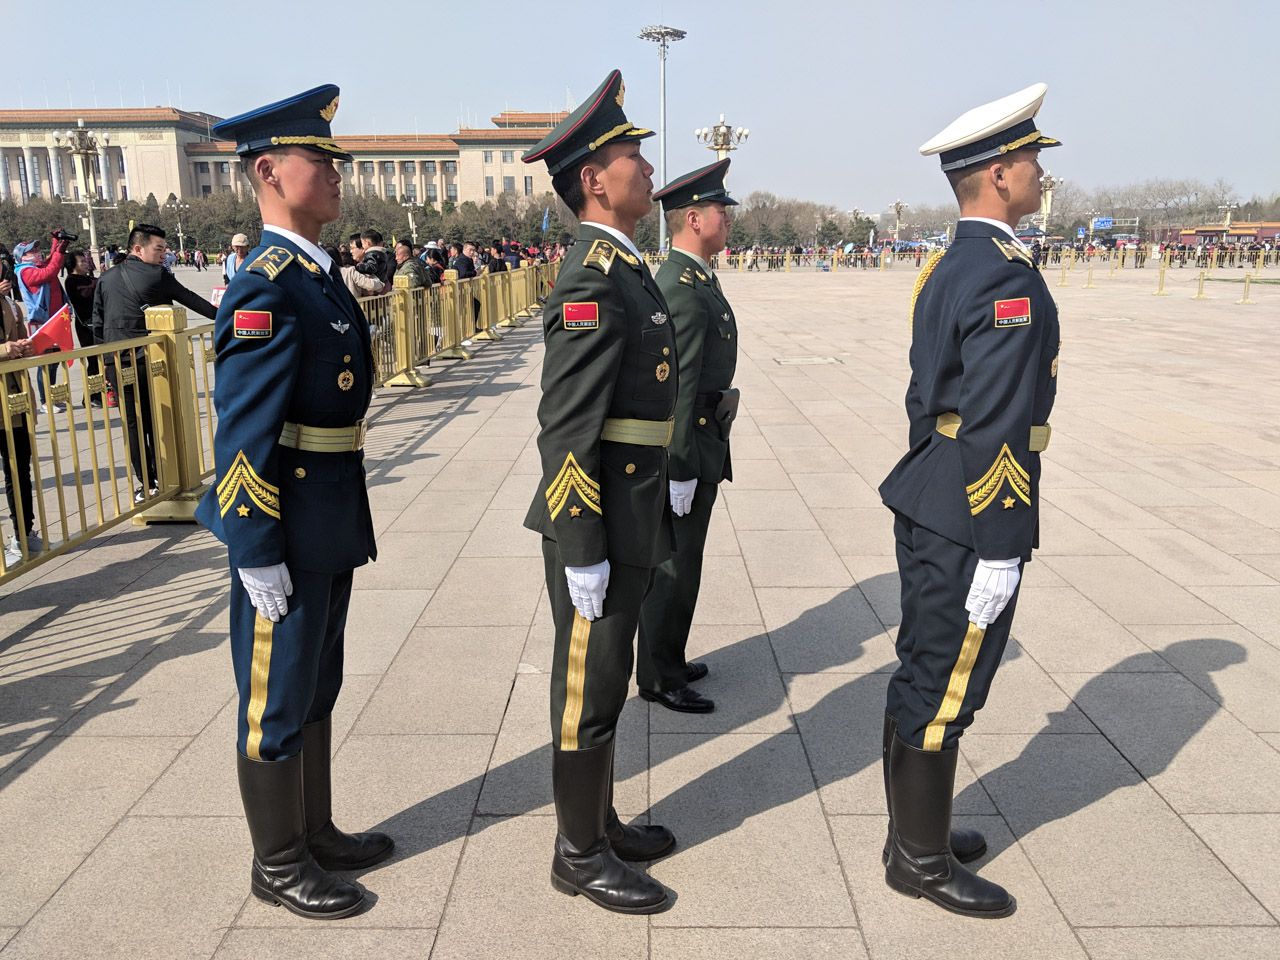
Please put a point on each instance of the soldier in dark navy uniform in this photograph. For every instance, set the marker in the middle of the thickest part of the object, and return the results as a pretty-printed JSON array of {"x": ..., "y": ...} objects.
[
  {"x": 696, "y": 207},
  {"x": 984, "y": 362},
  {"x": 294, "y": 374},
  {"x": 608, "y": 396}
]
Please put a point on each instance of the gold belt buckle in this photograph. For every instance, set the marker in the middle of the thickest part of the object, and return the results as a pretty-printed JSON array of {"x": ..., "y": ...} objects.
[{"x": 362, "y": 428}]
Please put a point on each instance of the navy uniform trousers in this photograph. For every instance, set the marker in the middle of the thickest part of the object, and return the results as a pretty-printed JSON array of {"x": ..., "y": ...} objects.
[
  {"x": 667, "y": 613},
  {"x": 945, "y": 663},
  {"x": 289, "y": 673}
]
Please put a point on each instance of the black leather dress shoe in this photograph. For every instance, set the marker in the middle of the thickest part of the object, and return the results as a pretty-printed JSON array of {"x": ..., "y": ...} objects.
[
  {"x": 637, "y": 841},
  {"x": 694, "y": 671},
  {"x": 684, "y": 700}
]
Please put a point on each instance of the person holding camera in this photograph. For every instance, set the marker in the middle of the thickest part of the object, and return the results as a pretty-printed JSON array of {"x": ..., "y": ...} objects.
[
  {"x": 15, "y": 344},
  {"x": 119, "y": 313},
  {"x": 42, "y": 295}
]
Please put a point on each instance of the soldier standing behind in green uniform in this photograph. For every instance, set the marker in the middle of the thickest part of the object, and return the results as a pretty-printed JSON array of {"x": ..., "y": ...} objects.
[
  {"x": 697, "y": 211},
  {"x": 608, "y": 395}
]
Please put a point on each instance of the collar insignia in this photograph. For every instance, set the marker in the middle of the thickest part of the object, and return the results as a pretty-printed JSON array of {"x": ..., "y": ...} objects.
[{"x": 659, "y": 318}]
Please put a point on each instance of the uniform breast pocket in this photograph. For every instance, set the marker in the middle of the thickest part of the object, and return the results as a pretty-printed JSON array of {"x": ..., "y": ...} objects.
[
  {"x": 338, "y": 375},
  {"x": 657, "y": 375}
]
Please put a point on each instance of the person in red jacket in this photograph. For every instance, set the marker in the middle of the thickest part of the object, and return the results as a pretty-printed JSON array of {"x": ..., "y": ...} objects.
[{"x": 41, "y": 293}]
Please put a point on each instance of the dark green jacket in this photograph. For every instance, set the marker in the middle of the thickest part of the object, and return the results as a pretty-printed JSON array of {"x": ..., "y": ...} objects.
[
  {"x": 707, "y": 344},
  {"x": 610, "y": 352},
  {"x": 416, "y": 271}
]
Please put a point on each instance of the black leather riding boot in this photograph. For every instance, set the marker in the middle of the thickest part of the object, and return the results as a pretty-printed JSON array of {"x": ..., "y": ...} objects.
[
  {"x": 921, "y": 863},
  {"x": 284, "y": 871},
  {"x": 633, "y": 841},
  {"x": 584, "y": 862},
  {"x": 333, "y": 849},
  {"x": 967, "y": 845}
]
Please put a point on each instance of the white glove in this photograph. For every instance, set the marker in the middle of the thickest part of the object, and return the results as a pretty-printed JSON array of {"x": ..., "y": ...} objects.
[
  {"x": 994, "y": 582},
  {"x": 267, "y": 588},
  {"x": 587, "y": 586},
  {"x": 682, "y": 495}
]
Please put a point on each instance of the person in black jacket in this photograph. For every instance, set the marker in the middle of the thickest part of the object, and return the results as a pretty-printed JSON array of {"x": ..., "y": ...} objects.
[{"x": 119, "y": 305}]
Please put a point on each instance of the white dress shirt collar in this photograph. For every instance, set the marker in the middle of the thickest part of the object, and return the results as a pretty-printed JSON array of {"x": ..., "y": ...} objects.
[
  {"x": 322, "y": 259},
  {"x": 1001, "y": 225},
  {"x": 696, "y": 259}
]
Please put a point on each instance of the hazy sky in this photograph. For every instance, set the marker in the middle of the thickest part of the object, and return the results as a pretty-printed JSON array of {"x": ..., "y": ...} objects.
[{"x": 838, "y": 95}]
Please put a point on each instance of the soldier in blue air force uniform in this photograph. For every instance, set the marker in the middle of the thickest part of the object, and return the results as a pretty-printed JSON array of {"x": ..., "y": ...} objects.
[
  {"x": 294, "y": 375},
  {"x": 984, "y": 363}
]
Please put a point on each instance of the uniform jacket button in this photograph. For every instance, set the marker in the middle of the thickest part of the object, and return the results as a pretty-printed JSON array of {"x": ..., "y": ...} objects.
[
  {"x": 702, "y": 421},
  {"x": 347, "y": 358},
  {"x": 666, "y": 351},
  {"x": 631, "y": 468},
  {"x": 299, "y": 473}
]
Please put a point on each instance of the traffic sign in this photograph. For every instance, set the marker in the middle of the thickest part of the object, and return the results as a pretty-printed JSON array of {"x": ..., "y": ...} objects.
[
  {"x": 1102, "y": 223},
  {"x": 1079, "y": 231}
]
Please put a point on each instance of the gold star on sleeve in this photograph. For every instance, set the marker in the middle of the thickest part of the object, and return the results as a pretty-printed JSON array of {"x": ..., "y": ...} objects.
[
  {"x": 1008, "y": 503},
  {"x": 242, "y": 510},
  {"x": 575, "y": 511}
]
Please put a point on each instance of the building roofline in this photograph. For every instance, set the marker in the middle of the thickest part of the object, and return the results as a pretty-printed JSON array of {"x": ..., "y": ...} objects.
[{"x": 108, "y": 117}]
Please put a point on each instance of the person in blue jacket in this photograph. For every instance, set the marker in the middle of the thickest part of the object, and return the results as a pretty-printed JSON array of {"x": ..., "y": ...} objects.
[{"x": 294, "y": 376}]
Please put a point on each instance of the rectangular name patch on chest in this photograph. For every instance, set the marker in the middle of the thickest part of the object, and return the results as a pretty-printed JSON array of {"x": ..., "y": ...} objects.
[
  {"x": 253, "y": 323},
  {"x": 581, "y": 316},
  {"x": 1013, "y": 313}
]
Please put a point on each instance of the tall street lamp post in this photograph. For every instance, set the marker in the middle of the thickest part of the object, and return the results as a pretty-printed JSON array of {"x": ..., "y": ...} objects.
[
  {"x": 1049, "y": 183},
  {"x": 177, "y": 206},
  {"x": 83, "y": 144},
  {"x": 1226, "y": 227},
  {"x": 722, "y": 138},
  {"x": 898, "y": 207},
  {"x": 663, "y": 36}
]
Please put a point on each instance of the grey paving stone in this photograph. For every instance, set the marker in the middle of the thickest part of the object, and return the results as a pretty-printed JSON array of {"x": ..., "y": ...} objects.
[
  {"x": 722, "y": 539},
  {"x": 420, "y": 790},
  {"x": 725, "y": 595},
  {"x": 1108, "y": 848},
  {"x": 815, "y": 629},
  {"x": 326, "y": 944},
  {"x": 877, "y": 578},
  {"x": 1225, "y": 529},
  {"x": 861, "y": 531},
  {"x": 518, "y": 780},
  {"x": 501, "y": 533},
  {"x": 412, "y": 560},
  {"x": 838, "y": 491},
  {"x": 1025, "y": 699},
  {"x": 1180, "y": 943},
  {"x": 796, "y": 459},
  {"x": 97, "y": 780},
  {"x": 1254, "y": 608},
  {"x": 378, "y": 621},
  {"x": 387, "y": 493},
  {"x": 1199, "y": 758},
  {"x": 726, "y": 799},
  {"x": 509, "y": 588},
  {"x": 1131, "y": 592},
  {"x": 439, "y": 510},
  {"x": 791, "y": 559},
  {"x": 768, "y": 510},
  {"x": 1103, "y": 510},
  {"x": 6, "y": 934},
  {"x": 777, "y": 943},
  {"x": 491, "y": 448},
  {"x": 1067, "y": 633},
  {"x": 757, "y": 474},
  {"x": 1063, "y": 535},
  {"x": 502, "y": 903},
  {"x": 1186, "y": 559},
  {"x": 84, "y": 918},
  {"x": 472, "y": 702},
  {"x": 469, "y": 476},
  {"x": 33, "y": 707},
  {"x": 1248, "y": 844}
]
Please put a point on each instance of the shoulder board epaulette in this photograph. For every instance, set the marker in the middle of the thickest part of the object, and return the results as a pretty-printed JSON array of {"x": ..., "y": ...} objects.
[
  {"x": 271, "y": 261},
  {"x": 702, "y": 276},
  {"x": 634, "y": 261},
  {"x": 687, "y": 277},
  {"x": 601, "y": 255},
  {"x": 1011, "y": 251},
  {"x": 313, "y": 267}
]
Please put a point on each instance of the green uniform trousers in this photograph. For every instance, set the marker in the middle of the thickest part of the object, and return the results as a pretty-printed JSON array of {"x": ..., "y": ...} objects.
[
  {"x": 591, "y": 668},
  {"x": 667, "y": 612}
]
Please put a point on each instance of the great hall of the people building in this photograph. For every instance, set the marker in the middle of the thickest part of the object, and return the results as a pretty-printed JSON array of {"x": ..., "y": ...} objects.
[{"x": 162, "y": 151}]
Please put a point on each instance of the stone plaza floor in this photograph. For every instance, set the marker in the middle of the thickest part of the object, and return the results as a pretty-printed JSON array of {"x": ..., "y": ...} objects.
[{"x": 1126, "y": 769}]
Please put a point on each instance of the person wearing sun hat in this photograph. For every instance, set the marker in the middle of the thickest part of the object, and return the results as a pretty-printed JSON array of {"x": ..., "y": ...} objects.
[
  {"x": 984, "y": 365},
  {"x": 294, "y": 372},
  {"x": 696, "y": 206},
  {"x": 609, "y": 382}
]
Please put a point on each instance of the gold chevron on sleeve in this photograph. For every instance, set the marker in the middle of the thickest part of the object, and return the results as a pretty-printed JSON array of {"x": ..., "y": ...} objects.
[
  {"x": 983, "y": 493},
  {"x": 241, "y": 476},
  {"x": 572, "y": 477},
  {"x": 920, "y": 280}
]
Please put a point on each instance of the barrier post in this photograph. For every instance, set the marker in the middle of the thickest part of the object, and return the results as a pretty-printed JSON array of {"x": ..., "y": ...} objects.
[
  {"x": 451, "y": 319},
  {"x": 172, "y": 367},
  {"x": 1089, "y": 284},
  {"x": 786, "y": 259},
  {"x": 1160, "y": 291},
  {"x": 485, "y": 332},
  {"x": 1246, "y": 299},
  {"x": 1063, "y": 281},
  {"x": 402, "y": 331},
  {"x": 1199, "y": 294},
  {"x": 510, "y": 313}
]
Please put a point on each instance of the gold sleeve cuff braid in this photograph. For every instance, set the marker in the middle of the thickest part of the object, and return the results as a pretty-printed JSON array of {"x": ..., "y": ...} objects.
[
  {"x": 570, "y": 478},
  {"x": 983, "y": 493},
  {"x": 242, "y": 476}
]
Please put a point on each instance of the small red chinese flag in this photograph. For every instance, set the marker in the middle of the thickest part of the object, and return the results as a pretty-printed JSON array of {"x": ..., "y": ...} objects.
[{"x": 54, "y": 334}]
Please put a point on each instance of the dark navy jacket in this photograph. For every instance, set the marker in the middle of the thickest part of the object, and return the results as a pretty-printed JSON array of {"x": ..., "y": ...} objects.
[
  {"x": 292, "y": 345},
  {"x": 984, "y": 345}
]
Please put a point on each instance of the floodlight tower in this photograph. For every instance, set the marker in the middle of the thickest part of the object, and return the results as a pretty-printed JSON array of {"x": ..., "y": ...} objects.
[{"x": 663, "y": 36}]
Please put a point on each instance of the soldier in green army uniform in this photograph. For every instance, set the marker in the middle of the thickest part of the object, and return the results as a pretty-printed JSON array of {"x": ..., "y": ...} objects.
[
  {"x": 608, "y": 397},
  {"x": 697, "y": 211}
]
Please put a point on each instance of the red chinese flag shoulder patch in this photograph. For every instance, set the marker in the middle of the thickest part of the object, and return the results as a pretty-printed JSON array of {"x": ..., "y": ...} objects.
[
  {"x": 1013, "y": 313},
  {"x": 581, "y": 316},
  {"x": 253, "y": 323}
]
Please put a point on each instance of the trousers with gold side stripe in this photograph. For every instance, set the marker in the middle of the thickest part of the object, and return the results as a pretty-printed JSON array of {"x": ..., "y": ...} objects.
[
  {"x": 945, "y": 663},
  {"x": 667, "y": 613},
  {"x": 288, "y": 674},
  {"x": 593, "y": 659}
]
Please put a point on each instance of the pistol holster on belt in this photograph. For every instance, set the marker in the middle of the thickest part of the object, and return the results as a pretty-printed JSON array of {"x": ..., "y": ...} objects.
[{"x": 727, "y": 411}]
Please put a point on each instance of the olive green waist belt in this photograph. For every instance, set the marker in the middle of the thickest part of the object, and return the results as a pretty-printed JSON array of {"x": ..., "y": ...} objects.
[
  {"x": 644, "y": 433},
  {"x": 323, "y": 439},
  {"x": 949, "y": 423}
]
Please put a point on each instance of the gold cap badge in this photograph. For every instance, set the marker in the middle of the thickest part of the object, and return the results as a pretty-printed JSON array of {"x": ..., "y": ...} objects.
[
  {"x": 622, "y": 90},
  {"x": 327, "y": 113}
]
